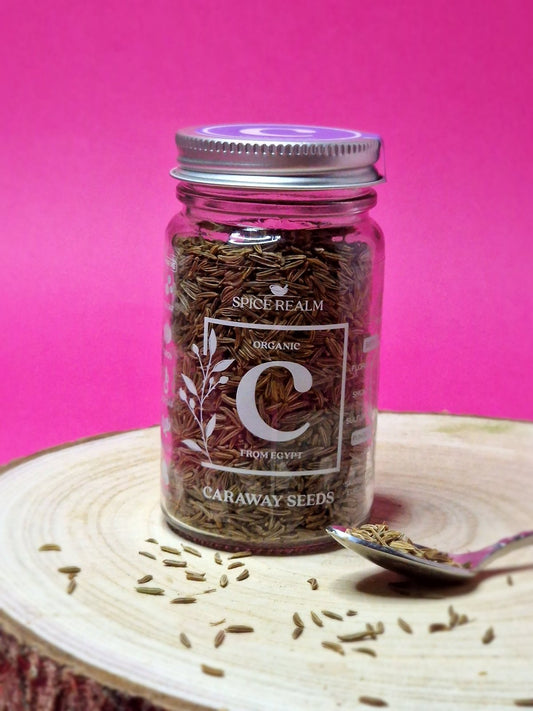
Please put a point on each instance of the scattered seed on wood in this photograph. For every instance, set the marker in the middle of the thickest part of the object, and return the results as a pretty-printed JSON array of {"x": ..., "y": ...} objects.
[
  {"x": 145, "y": 579},
  {"x": 170, "y": 549},
  {"x": 297, "y": 620},
  {"x": 50, "y": 547},
  {"x": 197, "y": 577},
  {"x": 171, "y": 563},
  {"x": 510, "y": 580},
  {"x": 380, "y": 627},
  {"x": 366, "y": 650},
  {"x": 219, "y": 638},
  {"x": 150, "y": 591},
  {"x": 372, "y": 633},
  {"x": 454, "y": 616},
  {"x": 223, "y": 581},
  {"x": 237, "y": 629},
  {"x": 297, "y": 631},
  {"x": 71, "y": 586},
  {"x": 240, "y": 554},
  {"x": 316, "y": 619},
  {"x": 351, "y": 613},
  {"x": 356, "y": 636},
  {"x": 438, "y": 627},
  {"x": 206, "y": 592},
  {"x": 218, "y": 622},
  {"x": 69, "y": 569},
  {"x": 334, "y": 646},
  {"x": 523, "y": 702},
  {"x": 218, "y": 558},
  {"x": 245, "y": 574},
  {"x": 185, "y": 600},
  {"x": 185, "y": 640},
  {"x": 151, "y": 540},
  {"x": 331, "y": 615},
  {"x": 212, "y": 671},
  {"x": 405, "y": 626},
  {"x": 237, "y": 564},
  {"x": 313, "y": 583},
  {"x": 372, "y": 701},
  {"x": 192, "y": 551},
  {"x": 147, "y": 555},
  {"x": 488, "y": 637}
]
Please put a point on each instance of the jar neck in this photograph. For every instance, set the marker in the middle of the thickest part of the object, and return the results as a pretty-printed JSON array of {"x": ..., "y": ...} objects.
[{"x": 245, "y": 206}]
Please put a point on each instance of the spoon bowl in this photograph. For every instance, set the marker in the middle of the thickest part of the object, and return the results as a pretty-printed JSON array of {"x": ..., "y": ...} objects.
[{"x": 464, "y": 567}]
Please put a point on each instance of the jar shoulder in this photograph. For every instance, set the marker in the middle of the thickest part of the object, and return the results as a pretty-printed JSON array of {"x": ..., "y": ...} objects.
[
  {"x": 362, "y": 227},
  {"x": 181, "y": 224}
]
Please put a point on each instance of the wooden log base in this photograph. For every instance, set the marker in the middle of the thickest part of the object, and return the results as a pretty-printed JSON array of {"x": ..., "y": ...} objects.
[
  {"x": 31, "y": 681},
  {"x": 90, "y": 640}
]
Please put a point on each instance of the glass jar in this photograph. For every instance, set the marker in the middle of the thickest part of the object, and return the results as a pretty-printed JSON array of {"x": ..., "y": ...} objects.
[{"x": 271, "y": 336}]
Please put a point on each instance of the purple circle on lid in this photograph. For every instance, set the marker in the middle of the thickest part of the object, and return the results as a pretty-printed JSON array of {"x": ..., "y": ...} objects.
[{"x": 280, "y": 132}]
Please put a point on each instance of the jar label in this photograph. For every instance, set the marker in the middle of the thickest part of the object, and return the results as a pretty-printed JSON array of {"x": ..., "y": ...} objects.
[{"x": 273, "y": 442}]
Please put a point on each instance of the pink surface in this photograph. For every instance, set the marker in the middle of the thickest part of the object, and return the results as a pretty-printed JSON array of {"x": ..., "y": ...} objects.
[{"x": 92, "y": 93}]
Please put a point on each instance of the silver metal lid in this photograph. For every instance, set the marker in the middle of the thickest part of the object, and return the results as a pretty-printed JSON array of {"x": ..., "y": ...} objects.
[{"x": 278, "y": 156}]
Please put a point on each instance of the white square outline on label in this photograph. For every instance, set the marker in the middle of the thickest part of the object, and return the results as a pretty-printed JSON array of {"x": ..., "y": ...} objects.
[{"x": 271, "y": 327}]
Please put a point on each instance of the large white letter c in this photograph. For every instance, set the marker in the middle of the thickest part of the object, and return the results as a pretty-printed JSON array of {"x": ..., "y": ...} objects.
[{"x": 247, "y": 408}]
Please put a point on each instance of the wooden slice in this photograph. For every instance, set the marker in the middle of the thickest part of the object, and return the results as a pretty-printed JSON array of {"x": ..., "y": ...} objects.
[{"x": 453, "y": 483}]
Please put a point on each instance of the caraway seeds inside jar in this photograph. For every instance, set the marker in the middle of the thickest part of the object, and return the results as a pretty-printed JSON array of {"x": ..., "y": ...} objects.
[{"x": 271, "y": 336}]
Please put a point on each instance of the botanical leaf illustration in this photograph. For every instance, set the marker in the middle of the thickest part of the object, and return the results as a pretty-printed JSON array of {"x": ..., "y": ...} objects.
[
  {"x": 202, "y": 391},
  {"x": 191, "y": 444},
  {"x": 223, "y": 365},
  {"x": 212, "y": 342},
  {"x": 210, "y": 428},
  {"x": 191, "y": 387}
]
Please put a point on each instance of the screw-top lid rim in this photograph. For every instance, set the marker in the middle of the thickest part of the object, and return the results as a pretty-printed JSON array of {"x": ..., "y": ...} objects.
[{"x": 278, "y": 156}]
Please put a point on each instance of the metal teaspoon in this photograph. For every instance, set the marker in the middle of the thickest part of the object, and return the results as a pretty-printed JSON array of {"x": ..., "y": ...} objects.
[{"x": 469, "y": 564}]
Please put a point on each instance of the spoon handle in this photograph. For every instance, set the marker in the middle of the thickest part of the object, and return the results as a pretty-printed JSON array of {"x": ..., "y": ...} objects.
[{"x": 479, "y": 559}]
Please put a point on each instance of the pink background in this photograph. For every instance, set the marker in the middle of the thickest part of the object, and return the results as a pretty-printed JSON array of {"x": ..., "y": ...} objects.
[{"x": 92, "y": 93}]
